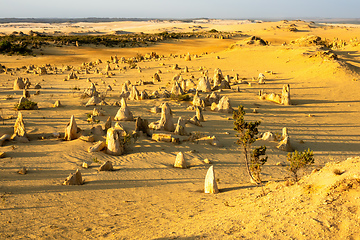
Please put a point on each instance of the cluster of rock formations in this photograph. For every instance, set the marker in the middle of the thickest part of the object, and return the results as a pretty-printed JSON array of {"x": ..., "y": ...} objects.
[{"x": 206, "y": 94}]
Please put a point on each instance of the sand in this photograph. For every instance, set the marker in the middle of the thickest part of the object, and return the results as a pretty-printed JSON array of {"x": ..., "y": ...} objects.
[{"x": 146, "y": 198}]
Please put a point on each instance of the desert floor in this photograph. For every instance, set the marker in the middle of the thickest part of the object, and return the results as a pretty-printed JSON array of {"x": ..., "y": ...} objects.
[{"x": 147, "y": 198}]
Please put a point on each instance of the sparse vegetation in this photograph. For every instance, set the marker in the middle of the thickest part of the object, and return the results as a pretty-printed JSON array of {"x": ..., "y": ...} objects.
[
  {"x": 184, "y": 97},
  {"x": 247, "y": 132},
  {"x": 13, "y": 48},
  {"x": 299, "y": 160},
  {"x": 26, "y": 105}
]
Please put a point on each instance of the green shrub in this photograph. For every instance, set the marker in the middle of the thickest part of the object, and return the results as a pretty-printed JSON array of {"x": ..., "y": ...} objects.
[
  {"x": 299, "y": 160},
  {"x": 26, "y": 105},
  {"x": 247, "y": 132}
]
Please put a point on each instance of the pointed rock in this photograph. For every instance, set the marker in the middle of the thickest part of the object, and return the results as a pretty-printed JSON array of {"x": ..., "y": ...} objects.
[
  {"x": 180, "y": 161},
  {"x": 223, "y": 106},
  {"x": 124, "y": 113},
  {"x": 19, "y": 130},
  {"x": 166, "y": 120},
  {"x": 210, "y": 182},
  {"x": 134, "y": 94},
  {"x": 74, "y": 179},
  {"x": 176, "y": 89},
  {"x": 204, "y": 85},
  {"x": 180, "y": 127},
  {"x": 199, "y": 114},
  {"x": 107, "y": 124},
  {"x": 107, "y": 166},
  {"x": 57, "y": 104},
  {"x": 71, "y": 130},
  {"x": 19, "y": 84},
  {"x": 114, "y": 142},
  {"x": 93, "y": 101}
]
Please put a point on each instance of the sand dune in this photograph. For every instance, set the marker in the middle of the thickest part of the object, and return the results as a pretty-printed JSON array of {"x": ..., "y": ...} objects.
[{"x": 146, "y": 197}]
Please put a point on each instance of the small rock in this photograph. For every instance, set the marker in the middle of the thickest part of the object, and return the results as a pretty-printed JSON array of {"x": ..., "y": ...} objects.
[
  {"x": 85, "y": 165},
  {"x": 107, "y": 166},
  {"x": 2, "y": 154},
  {"x": 22, "y": 171},
  {"x": 207, "y": 161}
]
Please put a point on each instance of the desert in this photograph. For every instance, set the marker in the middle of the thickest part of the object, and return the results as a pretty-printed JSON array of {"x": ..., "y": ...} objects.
[{"x": 144, "y": 128}]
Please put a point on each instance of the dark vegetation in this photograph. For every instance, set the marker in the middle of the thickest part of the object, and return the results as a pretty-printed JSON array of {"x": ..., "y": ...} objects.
[{"x": 20, "y": 43}]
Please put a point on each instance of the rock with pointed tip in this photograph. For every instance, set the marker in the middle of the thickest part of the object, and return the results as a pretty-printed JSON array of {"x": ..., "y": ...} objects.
[
  {"x": 180, "y": 161},
  {"x": 204, "y": 85},
  {"x": 93, "y": 101},
  {"x": 124, "y": 113},
  {"x": 180, "y": 127},
  {"x": 57, "y": 104},
  {"x": 19, "y": 84},
  {"x": 199, "y": 114},
  {"x": 107, "y": 124},
  {"x": 19, "y": 130},
  {"x": 223, "y": 106},
  {"x": 74, "y": 179},
  {"x": 176, "y": 89},
  {"x": 107, "y": 166},
  {"x": 71, "y": 130},
  {"x": 134, "y": 94},
  {"x": 210, "y": 182},
  {"x": 166, "y": 121},
  {"x": 22, "y": 171}
]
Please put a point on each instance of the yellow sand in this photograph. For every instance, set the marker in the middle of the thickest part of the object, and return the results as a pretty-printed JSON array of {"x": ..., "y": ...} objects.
[{"x": 149, "y": 199}]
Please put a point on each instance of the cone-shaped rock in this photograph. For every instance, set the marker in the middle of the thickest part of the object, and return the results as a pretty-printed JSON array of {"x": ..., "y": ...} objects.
[
  {"x": 19, "y": 130},
  {"x": 176, "y": 89},
  {"x": 223, "y": 106},
  {"x": 180, "y": 127},
  {"x": 107, "y": 124},
  {"x": 114, "y": 142},
  {"x": 210, "y": 182},
  {"x": 198, "y": 114},
  {"x": 180, "y": 161},
  {"x": 204, "y": 85},
  {"x": 19, "y": 84},
  {"x": 93, "y": 101},
  {"x": 166, "y": 120},
  {"x": 124, "y": 113},
  {"x": 71, "y": 130},
  {"x": 107, "y": 166},
  {"x": 134, "y": 94},
  {"x": 74, "y": 179}
]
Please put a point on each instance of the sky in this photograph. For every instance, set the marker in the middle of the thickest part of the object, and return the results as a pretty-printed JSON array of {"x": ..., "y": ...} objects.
[{"x": 181, "y": 9}]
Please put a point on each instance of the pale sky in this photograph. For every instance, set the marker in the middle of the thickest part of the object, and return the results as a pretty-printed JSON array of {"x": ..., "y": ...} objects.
[{"x": 234, "y": 9}]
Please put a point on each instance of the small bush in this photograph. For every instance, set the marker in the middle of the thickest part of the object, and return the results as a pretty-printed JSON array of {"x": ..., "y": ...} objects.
[
  {"x": 184, "y": 97},
  {"x": 299, "y": 160},
  {"x": 27, "y": 105},
  {"x": 213, "y": 31}
]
